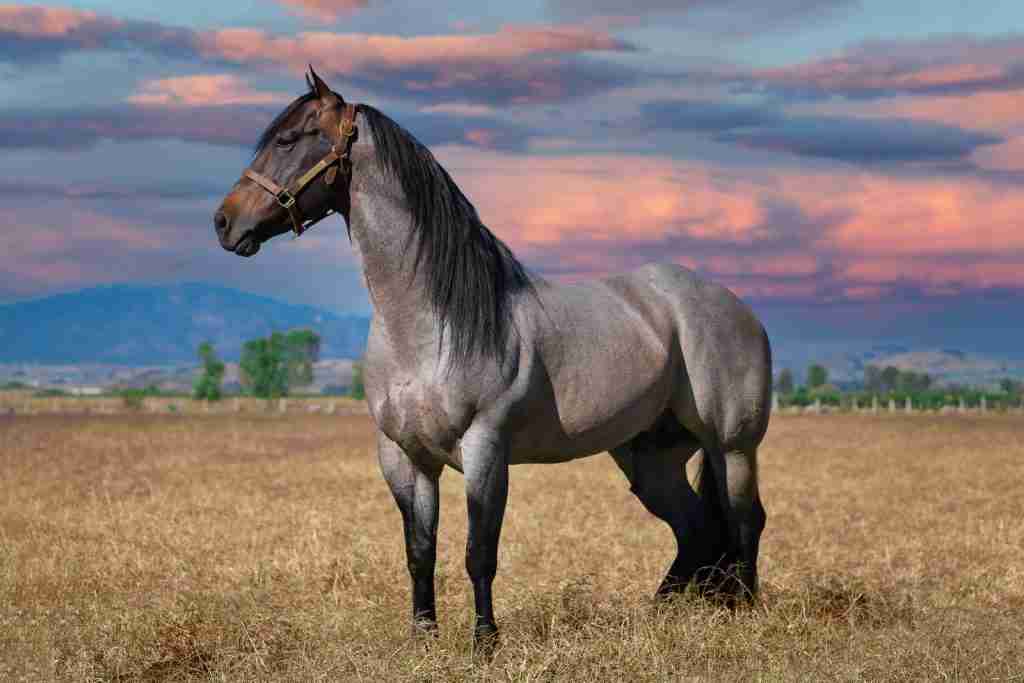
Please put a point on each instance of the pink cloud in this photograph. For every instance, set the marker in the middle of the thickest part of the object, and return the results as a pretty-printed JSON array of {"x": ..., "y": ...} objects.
[
  {"x": 49, "y": 251},
  {"x": 459, "y": 109},
  {"x": 42, "y": 31},
  {"x": 517, "y": 63},
  {"x": 349, "y": 53},
  {"x": 997, "y": 111},
  {"x": 325, "y": 11},
  {"x": 865, "y": 232},
  {"x": 882, "y": 215},
  {"x": 42, "y": 21},
  {"x": 957, "y": 64},
  {"x": 607, "y": 198},
  {"x": 203, "y": 90},
  {"x": 1008, "y": 156},
  {"x": 994, "y": 111},
  {"x": 850, "y": 76}
]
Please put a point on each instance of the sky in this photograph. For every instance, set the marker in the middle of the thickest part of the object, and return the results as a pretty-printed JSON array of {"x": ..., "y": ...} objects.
[{"x": 852, "y": 168}]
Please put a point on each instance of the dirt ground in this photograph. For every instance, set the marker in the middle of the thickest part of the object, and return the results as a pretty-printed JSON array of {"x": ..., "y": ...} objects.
[{"x": 267, "y": 547}]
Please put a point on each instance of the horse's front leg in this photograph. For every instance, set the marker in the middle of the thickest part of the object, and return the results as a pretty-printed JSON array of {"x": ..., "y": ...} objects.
[
  {"x": 485, "y": 466},
  {"x": 415, "y": 488}
]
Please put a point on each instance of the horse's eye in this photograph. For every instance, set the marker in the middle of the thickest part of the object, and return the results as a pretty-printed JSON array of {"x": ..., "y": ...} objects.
[{"x": 287, "y": 140}]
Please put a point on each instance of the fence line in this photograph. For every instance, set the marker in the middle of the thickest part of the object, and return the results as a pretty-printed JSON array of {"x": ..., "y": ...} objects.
[{"x": 17, "y": 403}]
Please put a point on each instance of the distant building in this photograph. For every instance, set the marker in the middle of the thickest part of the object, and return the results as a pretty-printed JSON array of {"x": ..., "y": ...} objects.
[{"x": 84, "y": 391}]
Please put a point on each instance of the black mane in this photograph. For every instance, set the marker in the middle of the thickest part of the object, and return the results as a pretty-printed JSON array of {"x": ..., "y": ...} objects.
[{"x": 470, "y": 274}]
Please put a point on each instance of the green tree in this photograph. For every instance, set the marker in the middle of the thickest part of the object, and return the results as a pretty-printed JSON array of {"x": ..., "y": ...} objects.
[
  {"x": 358, "y": 390},
  {"x": 784, "y": 383},
  {"x": 207, "y": 386},
  {"x": 302, "y": 351},
  {"x": 264, "y": 366},
  {"x": 817, "y": 376},
  {"x": 890, "y": 378},
  {"x": 873, "y": 378}
]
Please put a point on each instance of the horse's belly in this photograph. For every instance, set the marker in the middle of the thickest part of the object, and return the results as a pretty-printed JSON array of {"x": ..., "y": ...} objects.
[{"x": 596, "y": 410}]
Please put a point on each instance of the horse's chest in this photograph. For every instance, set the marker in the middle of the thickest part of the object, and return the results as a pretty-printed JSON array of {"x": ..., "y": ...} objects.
[{"x": 421, "y": 417}]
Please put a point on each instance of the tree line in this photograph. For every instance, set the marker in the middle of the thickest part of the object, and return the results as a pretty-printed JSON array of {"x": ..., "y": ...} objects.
[
  {"x": 891, "y": 383},
  {"x": 270, "y": 367}
]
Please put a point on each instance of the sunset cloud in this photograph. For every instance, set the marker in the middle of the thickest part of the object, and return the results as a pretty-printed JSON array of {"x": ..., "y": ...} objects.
[
  {"x": 733, "y": 17},
  {"x": 943, "y": 65},
  {"x": 62, "y": 129},
  {"x": 41, "y": 33},
  {"x": 863, "y": 140},
  {"x": 325, "y": 11},
  {"x": 514, "y": 64},
  {"x": 842, "y": 138},
  {"x": 769, "y": 233},
  {"x": 209, "y": 90},
  {"x": 51, "y": 252},
  {"x": 155, "y": 114}
]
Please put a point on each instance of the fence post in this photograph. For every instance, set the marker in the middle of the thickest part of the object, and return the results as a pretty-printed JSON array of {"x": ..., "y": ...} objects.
[
  {"x": 856, "y": 404},
  {"x": 237, "y": 405},
  {"x": 909, "y": 406},
  {"x": 775, "y": 402},
  {"x": 962, "y": 407},
  {"x": 330, "y": 408},
  {"x": 283, "y": 404},
  {"x": 892, "y": 405},
  {"x": 874, "y": 404},
  {"x": 984, "y": 404}
]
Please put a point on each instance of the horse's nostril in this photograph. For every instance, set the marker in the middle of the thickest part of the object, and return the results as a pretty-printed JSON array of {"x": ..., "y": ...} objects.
[{"x": 220, "y": 221}]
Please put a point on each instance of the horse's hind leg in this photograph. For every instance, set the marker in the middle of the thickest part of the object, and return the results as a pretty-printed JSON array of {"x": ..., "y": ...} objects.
[
  {"x": 657, "y": 476},
  {"x": 735, "y": 473}
]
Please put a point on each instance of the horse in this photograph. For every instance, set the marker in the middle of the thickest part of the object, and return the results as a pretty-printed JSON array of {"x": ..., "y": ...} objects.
[{"x": 476, "y": 364}]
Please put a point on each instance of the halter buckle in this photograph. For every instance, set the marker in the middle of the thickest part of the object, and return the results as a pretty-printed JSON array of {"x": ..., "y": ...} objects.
[{"x": 285, "y": 198}]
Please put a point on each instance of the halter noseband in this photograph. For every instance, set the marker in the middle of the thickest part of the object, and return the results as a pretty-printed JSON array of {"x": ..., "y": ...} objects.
[{"x": 339, "y": 154}]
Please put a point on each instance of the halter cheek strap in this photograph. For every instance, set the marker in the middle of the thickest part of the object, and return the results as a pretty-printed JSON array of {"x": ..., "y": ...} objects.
[{"x": 339, "y": 155}]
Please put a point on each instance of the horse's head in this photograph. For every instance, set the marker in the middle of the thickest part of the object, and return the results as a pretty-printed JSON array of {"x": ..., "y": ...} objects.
[{"x": 296, "y": 176}]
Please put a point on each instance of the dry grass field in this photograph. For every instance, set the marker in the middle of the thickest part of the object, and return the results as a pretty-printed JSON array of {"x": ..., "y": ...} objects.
[{"x": 251, "y": 547}]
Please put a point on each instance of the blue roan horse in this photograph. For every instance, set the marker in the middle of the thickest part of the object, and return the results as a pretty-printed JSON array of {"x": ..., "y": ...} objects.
[{"x": 474, "y": 364}]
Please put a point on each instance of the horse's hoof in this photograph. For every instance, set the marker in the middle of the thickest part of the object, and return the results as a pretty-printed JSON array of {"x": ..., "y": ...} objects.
[
  {"x": 485, "y": 640},
  {"x": 424, "y": 628},
  {"x": 670, "y": 588}
]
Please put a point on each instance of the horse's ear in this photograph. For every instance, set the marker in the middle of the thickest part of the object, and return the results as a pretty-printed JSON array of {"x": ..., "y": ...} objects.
[{"x": 322, "y": 90}]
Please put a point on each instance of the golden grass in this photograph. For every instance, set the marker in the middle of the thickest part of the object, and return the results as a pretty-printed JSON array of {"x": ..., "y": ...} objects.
[{"x": 260, "y": 548}]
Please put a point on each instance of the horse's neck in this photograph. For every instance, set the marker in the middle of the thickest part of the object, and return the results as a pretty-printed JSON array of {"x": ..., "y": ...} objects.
[{"x": 380, "y": 226}]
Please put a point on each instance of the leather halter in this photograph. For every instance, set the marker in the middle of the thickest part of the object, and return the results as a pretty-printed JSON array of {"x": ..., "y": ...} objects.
[{"x": 339, "y": 154}]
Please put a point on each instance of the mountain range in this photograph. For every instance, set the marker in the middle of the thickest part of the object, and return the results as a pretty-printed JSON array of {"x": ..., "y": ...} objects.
[{"x": 151, "y": 325}]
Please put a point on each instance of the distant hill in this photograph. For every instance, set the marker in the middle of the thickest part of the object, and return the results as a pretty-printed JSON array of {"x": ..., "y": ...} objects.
[
  {"x": 148, "y": 325},
  {"x": 846, "y": 363},
  {"x": 952, "y": 366}
]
